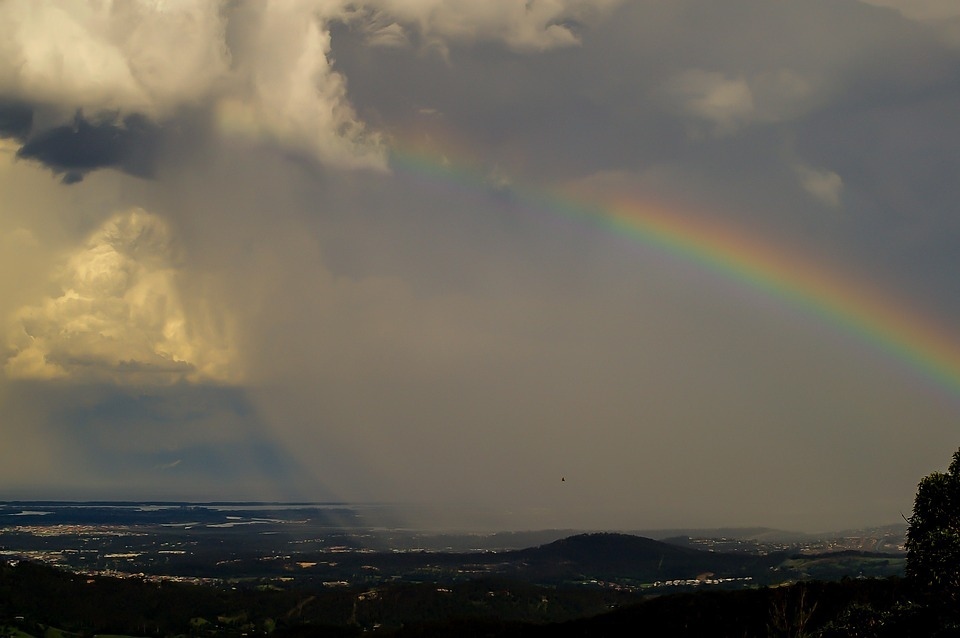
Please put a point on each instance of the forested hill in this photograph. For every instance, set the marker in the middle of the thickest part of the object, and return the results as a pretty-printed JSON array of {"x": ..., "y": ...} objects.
[{"x": 612, "y": 556}]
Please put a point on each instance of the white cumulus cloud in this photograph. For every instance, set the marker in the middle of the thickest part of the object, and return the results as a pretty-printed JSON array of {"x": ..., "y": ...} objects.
[
  {"x": 128, "y": 56},
  {"x": 118, "y": 316},
  {"x": 267, "y": 67},
  {"x": 727, "y": 103},
  {"x": 823, "y": 185}
]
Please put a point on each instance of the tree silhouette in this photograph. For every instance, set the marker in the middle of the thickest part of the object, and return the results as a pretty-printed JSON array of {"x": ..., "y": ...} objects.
[{"x": 933, "y": 538}]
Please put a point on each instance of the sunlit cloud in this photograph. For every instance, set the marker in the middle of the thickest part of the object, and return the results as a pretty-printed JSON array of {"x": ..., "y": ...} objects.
[
  {"x": 146, "y": 57},
  {"x": 118, "y": 315},
  {"x": 268, "y": 67}
]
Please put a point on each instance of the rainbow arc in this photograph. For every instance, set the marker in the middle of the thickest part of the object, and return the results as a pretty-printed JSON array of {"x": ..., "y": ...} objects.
[{"x": 852, "y": 306}]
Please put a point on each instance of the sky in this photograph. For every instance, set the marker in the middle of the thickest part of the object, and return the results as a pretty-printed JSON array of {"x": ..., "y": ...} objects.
[{"x": 557, "y": 264}]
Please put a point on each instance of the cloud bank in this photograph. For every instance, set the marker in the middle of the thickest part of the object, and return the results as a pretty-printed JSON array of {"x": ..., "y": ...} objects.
[{"x": 266, "y": 69}]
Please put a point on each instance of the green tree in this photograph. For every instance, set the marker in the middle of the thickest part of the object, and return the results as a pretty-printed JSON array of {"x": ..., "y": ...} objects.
[{"x": 933, "y": 538}]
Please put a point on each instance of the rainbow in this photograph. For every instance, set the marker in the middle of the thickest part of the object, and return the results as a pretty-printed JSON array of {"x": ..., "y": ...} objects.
[{"x": 850, "y": 305}]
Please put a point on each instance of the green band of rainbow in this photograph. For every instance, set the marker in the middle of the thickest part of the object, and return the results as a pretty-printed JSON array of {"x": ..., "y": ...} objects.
[{"x": 852, "y": 306}]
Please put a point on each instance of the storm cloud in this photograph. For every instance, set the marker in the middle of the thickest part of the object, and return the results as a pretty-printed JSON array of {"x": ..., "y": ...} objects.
[
  {"x": 363, "y": 251},
  {"x": 75, "y": 149}
]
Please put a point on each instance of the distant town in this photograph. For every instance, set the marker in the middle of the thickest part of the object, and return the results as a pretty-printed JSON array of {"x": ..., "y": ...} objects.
[
  {"x": 338, "y": 546},
  {"x": 252, "y": 569}
]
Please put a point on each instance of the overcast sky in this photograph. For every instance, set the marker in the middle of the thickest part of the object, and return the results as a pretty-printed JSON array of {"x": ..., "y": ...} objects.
[{"x": 324, "y": 250}]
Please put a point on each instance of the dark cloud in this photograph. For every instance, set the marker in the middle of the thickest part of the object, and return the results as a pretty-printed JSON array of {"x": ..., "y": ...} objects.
[
  {"x": 16, "y": 119},
  {"x": 72, "y": 150}
]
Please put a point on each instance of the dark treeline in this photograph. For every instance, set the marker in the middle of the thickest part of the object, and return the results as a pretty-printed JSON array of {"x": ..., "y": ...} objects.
[{"x": 34, "y": 597}]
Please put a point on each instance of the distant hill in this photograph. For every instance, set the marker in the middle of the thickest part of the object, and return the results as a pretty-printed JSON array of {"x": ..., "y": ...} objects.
[
  {"x": 619, "y": 556},
  {"x": 763, "y": 534}
]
